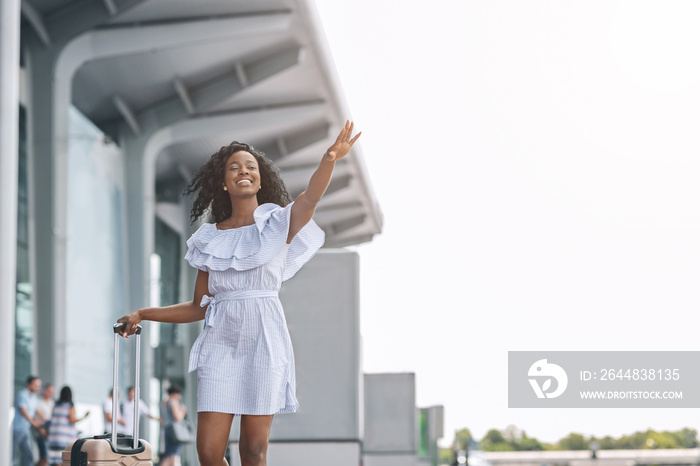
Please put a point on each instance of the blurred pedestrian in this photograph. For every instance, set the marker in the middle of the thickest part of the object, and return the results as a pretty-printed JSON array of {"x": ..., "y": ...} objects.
[
  {"x": 43, "y": 414},
  {"x": 172, "y": 411},
  {"x": 62, "y": 430},
  {"x": 25, "y": 419},
  {"x": 107, "y": 413},
  {"x": 128, "y": 412}
]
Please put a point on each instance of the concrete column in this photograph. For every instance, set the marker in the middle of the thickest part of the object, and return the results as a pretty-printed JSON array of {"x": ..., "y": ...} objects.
[
  {"x": 140, "y": 216},
  {"x": 47, "y": 130},
  {"x": 9, "y": 119},
  {"x": 50, "y": 76}
]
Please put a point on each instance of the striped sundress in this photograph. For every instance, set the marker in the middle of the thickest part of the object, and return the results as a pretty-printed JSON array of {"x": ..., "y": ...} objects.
[
  {"x": 244, "y": 357},
  {"x": 61, "y": 432}
]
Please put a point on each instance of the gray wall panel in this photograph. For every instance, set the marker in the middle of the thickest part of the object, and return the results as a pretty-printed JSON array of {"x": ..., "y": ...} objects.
[
  {"x": 389, "y": 460},
  {"x": 309, "y": 454},
  {"x": 390, "y": 413}
]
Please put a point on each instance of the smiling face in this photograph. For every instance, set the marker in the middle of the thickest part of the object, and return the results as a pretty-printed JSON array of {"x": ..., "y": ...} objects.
[{"x": 242, "y": 174}]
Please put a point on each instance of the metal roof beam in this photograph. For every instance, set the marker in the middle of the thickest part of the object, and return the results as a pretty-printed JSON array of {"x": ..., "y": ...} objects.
[
  {"x": 328, "y": 207},
  {"x": 297, "y": 180},
  {"x": 347, "y": 223},
  {"x": 241, "y": 74},
  {"x": 288, "y": 144},
  {"x": 339, "y": 241},
  {"x": 205, "y": 98},
  {"x": 298, "y": 141},
  {"x": 281, "y": 147},
  {"x": 32, "y": 15},
  {"x": 185, "y": 172},
  {"x": 78, "y": 16},
  {"x": 339, "y": 183},
  {"x": 263, "y": 68},
  {"x": 184, "y": 95},
  {"x": 336, "y": 215},
  {"x": 127, "y": 39},
  {"x": 111, "y": 7},
  {"x": 127, "y": 113},
  {"x": 209, "y": 95},
  {"x": 249, "y": 125}
]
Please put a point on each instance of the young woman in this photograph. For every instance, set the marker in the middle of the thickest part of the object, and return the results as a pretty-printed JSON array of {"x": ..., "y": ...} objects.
[
  {"x": 244, "y": 358},
  {"x": 171, "y": 411},
  {"x": 62, "y": 430}
]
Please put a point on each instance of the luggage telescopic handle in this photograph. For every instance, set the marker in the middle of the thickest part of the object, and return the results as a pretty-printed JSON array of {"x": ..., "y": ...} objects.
[
  {"x": 115, "y": 389},
  {"x": 118, "y": 327}
]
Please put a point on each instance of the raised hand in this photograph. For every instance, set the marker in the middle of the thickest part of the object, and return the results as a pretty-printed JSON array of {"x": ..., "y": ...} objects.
[{"x": 343, "y": 143}]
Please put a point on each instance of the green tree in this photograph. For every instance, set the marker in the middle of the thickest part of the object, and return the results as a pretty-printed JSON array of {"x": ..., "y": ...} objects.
[
  {"x": 446, "y": 455},
  {"x": 661, "y": 440},
  {"x": 573, "y": 441},
  {"x": 494, "y": 436},
  {"x": 462, "y": 438},
  {"x": 495, "y": 441},
  {"x": 529, "y": 443},
  {"x": 513, "y": 439},
  {"x": 634, "y": 441},
  {"x": 686, "y": 437},
  {"x": 512, "y": 434},
  {"x": 607, "y": 443}
]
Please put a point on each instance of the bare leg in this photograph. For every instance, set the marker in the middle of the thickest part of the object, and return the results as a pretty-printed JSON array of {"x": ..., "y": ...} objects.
[
  {"x": 255, "y": 434},
  {"x": 212, "y": 437}
]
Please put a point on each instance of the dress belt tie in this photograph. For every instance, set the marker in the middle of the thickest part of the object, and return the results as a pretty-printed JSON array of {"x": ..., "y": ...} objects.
[{"x": 213, "y": 318}]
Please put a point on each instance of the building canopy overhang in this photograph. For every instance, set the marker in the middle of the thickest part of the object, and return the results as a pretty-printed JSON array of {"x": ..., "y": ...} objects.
[{"x": 209, "y": 72}]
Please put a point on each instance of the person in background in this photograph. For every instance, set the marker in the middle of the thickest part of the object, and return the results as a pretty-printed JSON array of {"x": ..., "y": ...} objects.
[
  {"x": 25, "y": 413},
  {"x": 44, "y": 410},
  {"x": 171, "y": 411},
  {"x": 62, "y": 430},
  {"x": 107, "y": 414},
  {"x": 128, "y": 413}
]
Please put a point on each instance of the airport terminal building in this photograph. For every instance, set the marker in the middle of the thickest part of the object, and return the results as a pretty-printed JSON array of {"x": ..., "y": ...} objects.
[{"x": 120, "y": 102}]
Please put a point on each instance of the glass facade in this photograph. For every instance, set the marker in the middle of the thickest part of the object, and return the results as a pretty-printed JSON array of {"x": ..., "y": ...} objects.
[
  {"x": 24, "y": 313},
  {"x": 168, "y": 248},
  {"x": 95, "y": 260}
]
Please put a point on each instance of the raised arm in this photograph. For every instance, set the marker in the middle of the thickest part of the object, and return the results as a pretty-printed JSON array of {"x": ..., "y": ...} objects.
[
  {"x": 305, "y": 204},
  {"x": 71, "y": 416},
  {"x": 181, "y": 313}
]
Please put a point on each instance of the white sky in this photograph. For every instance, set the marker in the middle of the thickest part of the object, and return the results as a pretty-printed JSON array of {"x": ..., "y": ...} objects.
[{"x": 536, "y": 163}]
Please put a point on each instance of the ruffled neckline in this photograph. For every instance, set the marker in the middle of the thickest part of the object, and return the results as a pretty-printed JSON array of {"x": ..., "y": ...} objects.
[
  {"x": 261, "y": 214},
  {"x": 249, "y": 246},
  {"x": 216, "y": 227}
]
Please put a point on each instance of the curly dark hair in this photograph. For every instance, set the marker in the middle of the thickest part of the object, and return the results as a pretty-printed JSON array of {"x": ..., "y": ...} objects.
[{"x": 207, "y": 184}]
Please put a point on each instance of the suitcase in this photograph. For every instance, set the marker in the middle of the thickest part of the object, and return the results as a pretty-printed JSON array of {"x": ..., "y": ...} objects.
[{"x": 114, "y": 449}]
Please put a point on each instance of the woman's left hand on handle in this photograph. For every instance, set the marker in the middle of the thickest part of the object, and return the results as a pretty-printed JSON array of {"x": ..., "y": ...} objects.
[{"x": 131, "y": 321}]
